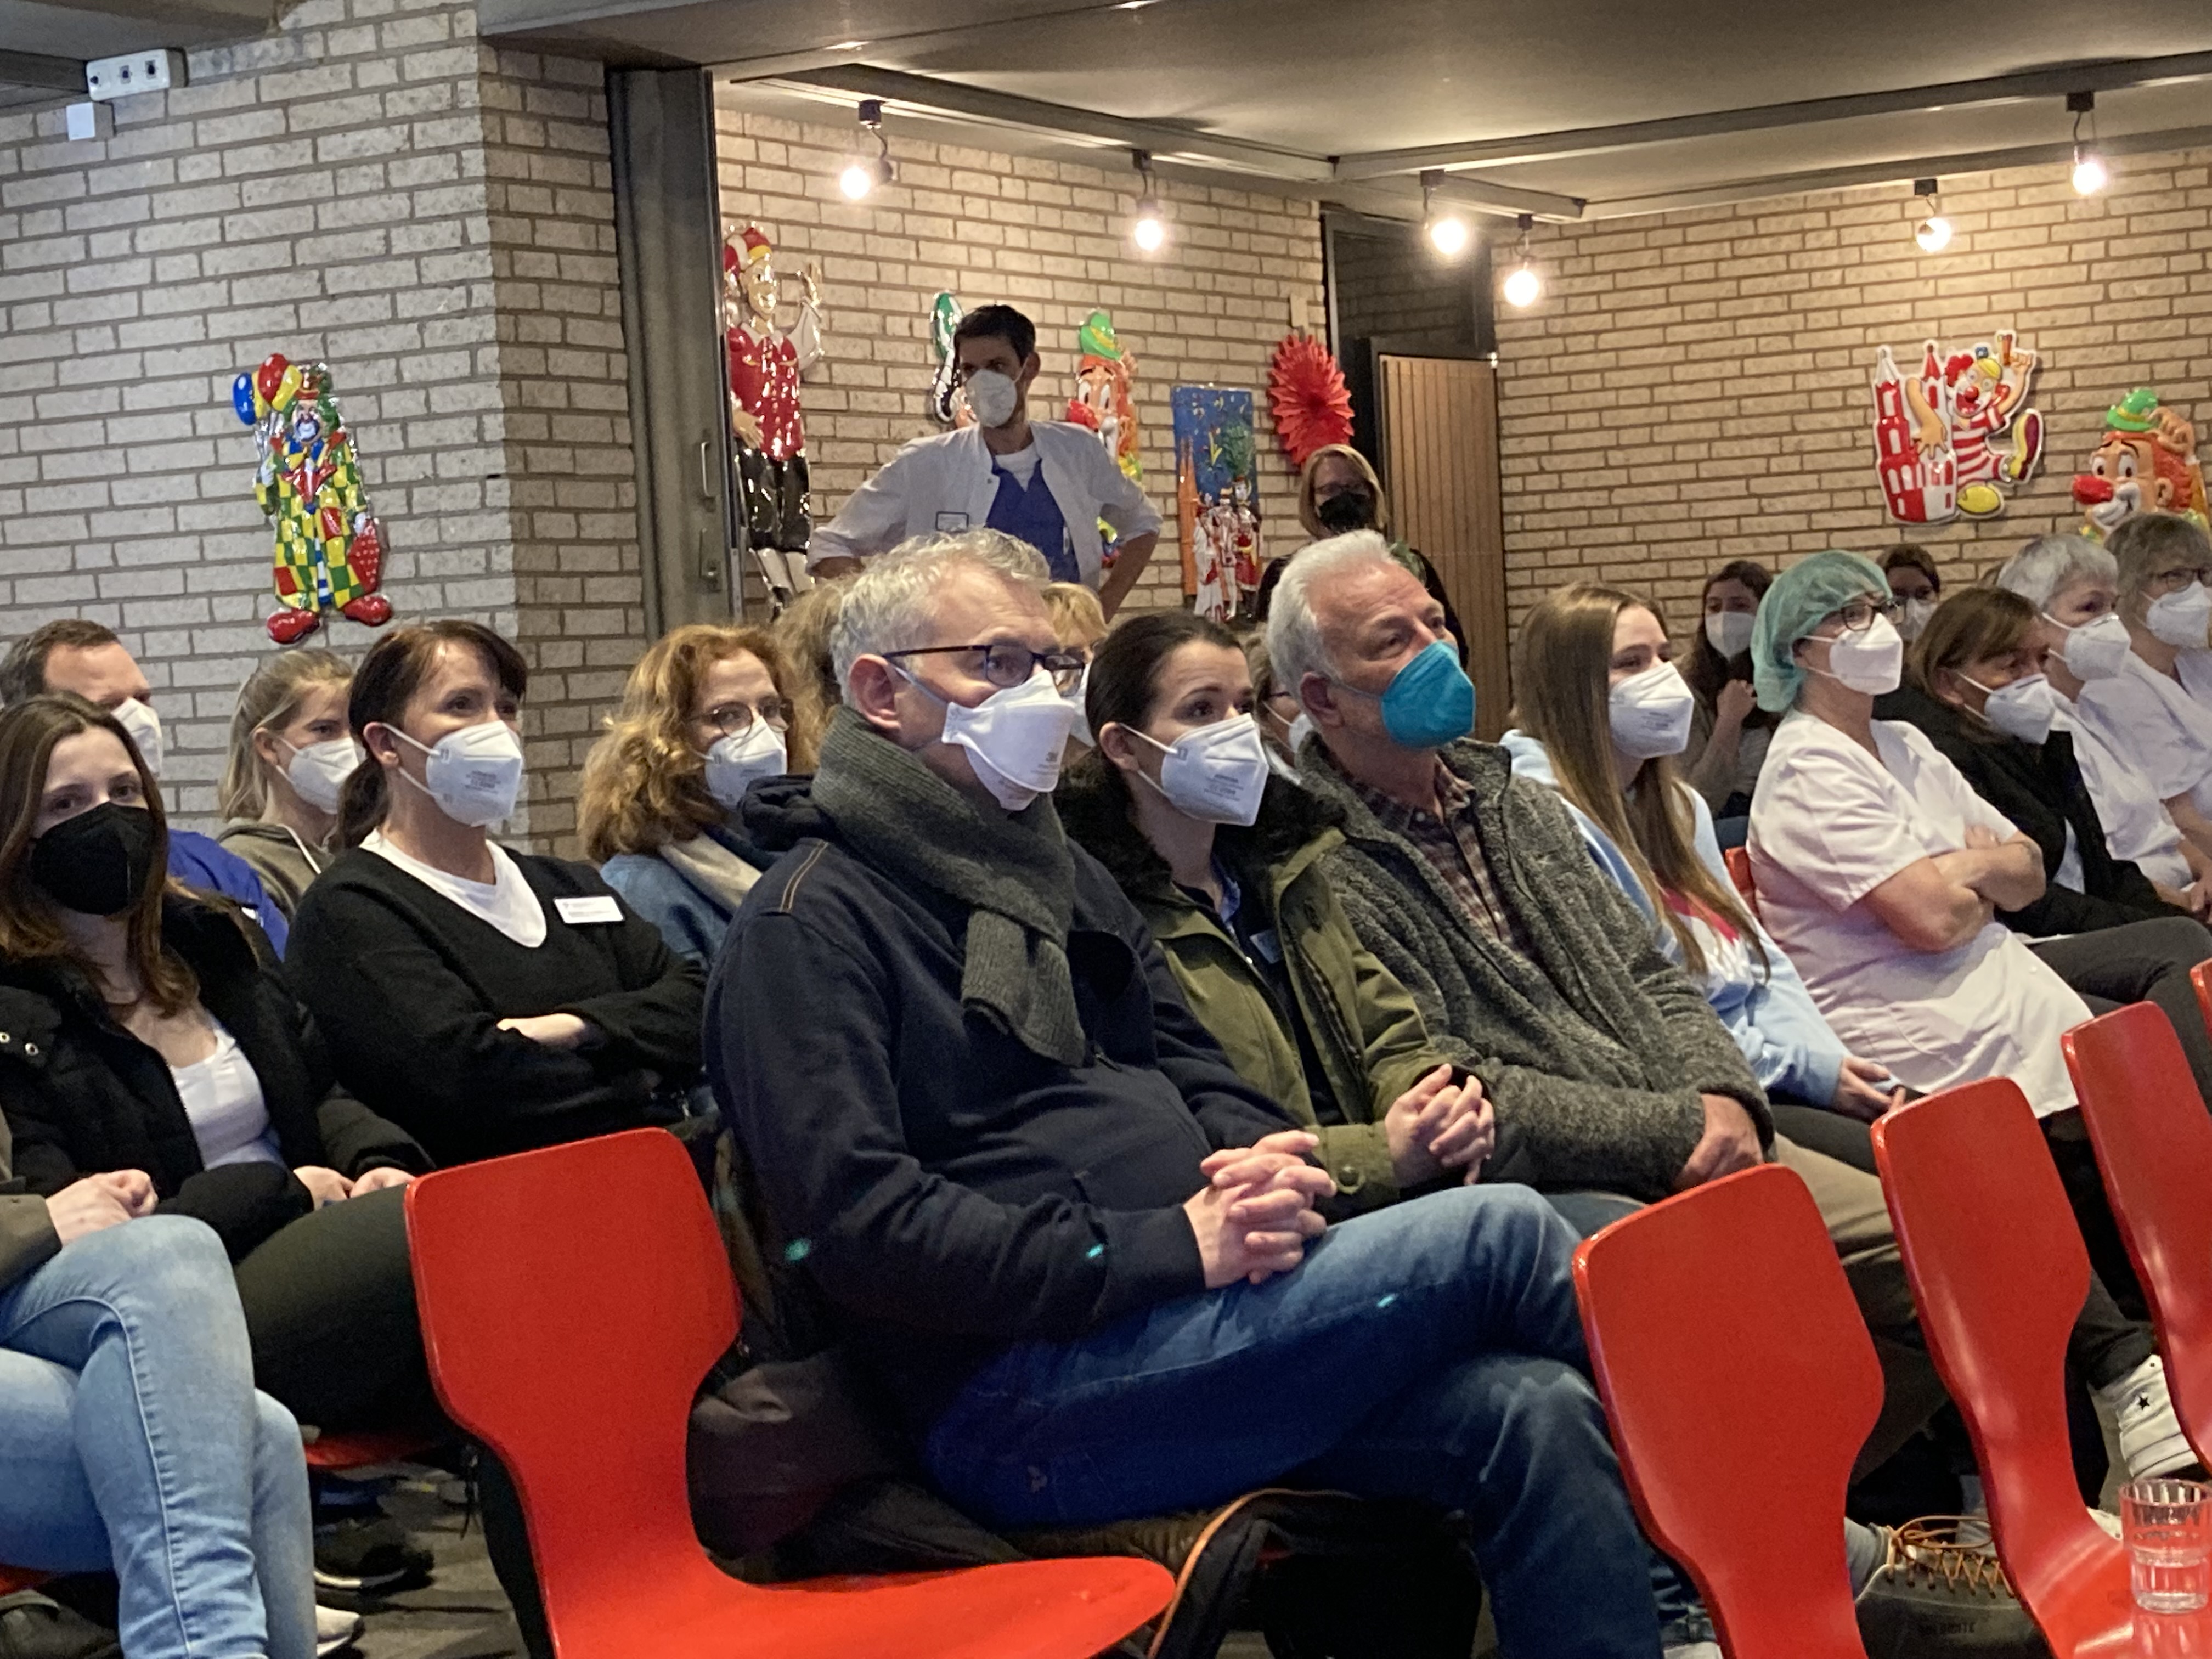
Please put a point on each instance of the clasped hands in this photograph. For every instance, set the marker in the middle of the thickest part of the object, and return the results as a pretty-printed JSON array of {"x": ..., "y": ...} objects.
[{"x": 1256, "y": 1213}]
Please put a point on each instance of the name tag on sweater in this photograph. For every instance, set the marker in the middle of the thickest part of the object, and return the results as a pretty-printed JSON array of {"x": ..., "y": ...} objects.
[{"x": 598, "y": 907}]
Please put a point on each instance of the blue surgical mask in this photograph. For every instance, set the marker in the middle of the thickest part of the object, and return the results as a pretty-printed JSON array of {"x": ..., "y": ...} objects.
[{"x": 1429, "y": 701}]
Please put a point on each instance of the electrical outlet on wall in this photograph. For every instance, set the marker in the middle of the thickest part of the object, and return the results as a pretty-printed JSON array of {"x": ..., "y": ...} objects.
[{"x": 155, "y": 69}]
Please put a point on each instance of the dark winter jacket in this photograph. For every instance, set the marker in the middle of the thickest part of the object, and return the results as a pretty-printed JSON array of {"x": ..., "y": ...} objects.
[
  {"x": 1594, "y": 1048},
  {"x": 950, "y": 1191},
  {"x": 2042, "y": 791},
  {"x": 27, "y": 1238},
  {"x": 82, "y": 1096}
]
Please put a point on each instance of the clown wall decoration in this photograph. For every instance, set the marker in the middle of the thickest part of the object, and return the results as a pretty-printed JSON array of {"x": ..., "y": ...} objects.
[
  {"x": 2146, "y": 462},
  {"x": 765, "y": 365},
  {"x": 329, "y": 549},
  {"x": 1103, "y": 402},
  {"x": 947, "y": 407},
  {"x": 1935, "y": 434}
]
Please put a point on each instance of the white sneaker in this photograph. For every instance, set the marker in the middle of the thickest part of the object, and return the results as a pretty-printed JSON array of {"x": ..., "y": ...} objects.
[
  {"x": 2150, "y": 1437},
  {"x": 335, "y": 1629}
]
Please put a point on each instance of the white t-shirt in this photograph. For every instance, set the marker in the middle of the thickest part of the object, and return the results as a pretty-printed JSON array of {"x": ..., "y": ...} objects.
[
  {"x": 2137, "y": 826},
  {"x": 505, "y": 901},
  {"x": 1829, "y": 824},
  {"x": 2155, "y": 727},
  {"x": 1021, "y": 462},
  {"x": 224, "y": 1105}
]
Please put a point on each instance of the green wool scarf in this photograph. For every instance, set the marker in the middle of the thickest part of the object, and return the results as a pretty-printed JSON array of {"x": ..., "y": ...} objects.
[{"x": 1012, "y": 870}]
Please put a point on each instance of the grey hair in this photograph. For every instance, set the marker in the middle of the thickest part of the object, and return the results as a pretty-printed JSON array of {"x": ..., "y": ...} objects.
[
  {"x": 1295, "y": 648},
  {"x": 2141, "y": 540},
  {"x": 2048, "y": 565},
  {"x": 887, "y": 607}
]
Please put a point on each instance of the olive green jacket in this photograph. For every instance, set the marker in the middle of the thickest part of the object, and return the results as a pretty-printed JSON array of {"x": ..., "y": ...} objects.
[
  {"x": 27, "y": 1230},
  {"x": 1365, "y": 1029}
]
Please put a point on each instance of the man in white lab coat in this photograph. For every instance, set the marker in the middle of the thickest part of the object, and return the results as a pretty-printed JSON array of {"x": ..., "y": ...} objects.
[{"x": 1048, "y": 482}]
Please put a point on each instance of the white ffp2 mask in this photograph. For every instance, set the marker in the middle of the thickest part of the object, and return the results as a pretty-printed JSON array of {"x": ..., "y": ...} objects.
[
  {"x": 1871, "y": 661},
  {"x": 993, "y": 397},
  {"x": 1215, "y": 774},
  {"x": 1728, "y": 632},
  {"x": 474, "y": 775},
  {"x": 318, "y": 771},
  {"x": 2180, "y": 619},
  {"x": 741, "y": 759},
  {"x": 2098, "y": 649},
  {"x": 1649, "y": 713},
  {"x": 1014, "y": 738},
  {"x": 144, "y": 726}
]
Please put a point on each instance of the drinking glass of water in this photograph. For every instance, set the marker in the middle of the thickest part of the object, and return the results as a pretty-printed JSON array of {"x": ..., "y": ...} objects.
[{"x": 2167, "y": 1527}]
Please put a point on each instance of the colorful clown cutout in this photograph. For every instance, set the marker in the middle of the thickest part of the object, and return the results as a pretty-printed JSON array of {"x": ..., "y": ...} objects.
[
  {"x": 764, "y": 367},
  {"x": 1936, "y": 434},
  {"x": 1103, "y": 402},
  {"x": 2146, "y": 463},
  {"x": 329, "y": 549}
]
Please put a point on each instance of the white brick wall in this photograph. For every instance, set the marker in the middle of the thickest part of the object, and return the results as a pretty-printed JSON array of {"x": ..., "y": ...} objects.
[
  {"x": 1051, "y": 238},
  {"x": 370, "y": 184},
  {"x": 1693, "y": 388}
]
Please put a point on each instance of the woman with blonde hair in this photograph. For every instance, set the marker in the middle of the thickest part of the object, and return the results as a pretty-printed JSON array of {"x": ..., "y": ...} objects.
[
  {"x": 707, "y": 711},
  {"x": 802, "y": 633},
  {"x": 290, "y": 754},
  {"x": 1339, "y": 493},
  {"x": 1603, "y": 713}
]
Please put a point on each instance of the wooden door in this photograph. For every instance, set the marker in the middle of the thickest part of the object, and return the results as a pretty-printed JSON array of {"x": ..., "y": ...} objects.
[{"x": 1439, "y": 418}]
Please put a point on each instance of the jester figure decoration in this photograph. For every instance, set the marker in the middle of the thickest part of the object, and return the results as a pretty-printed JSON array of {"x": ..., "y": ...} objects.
[
  {"x": 1103, "y": 402},
  {"x": 765, "y": 364},
  {"x": 1935, "y": 434},
  {"x": 329, "y": 549},
  {"x": 2146, "y": 463}
]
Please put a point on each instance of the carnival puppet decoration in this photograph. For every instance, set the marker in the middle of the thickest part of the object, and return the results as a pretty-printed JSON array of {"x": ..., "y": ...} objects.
[
  {"x": 1103, "y": 400},
  {"x": 329, "y": 549},
  {"x": 1936, "y": 434},
  {"x": 764, "y": 366},
  {"x": 947, "y": 407},
  {"x": 2146, "y": 462}
]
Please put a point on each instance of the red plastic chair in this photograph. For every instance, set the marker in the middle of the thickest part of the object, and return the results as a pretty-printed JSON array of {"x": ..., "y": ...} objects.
[
  {"x": 1999, "y": 1273},
  {"x": 2201, "y": 977},
  {"x": 1732, "y": 1291},
  {"x": 1739, "y": 868},
  {"x": 2154, "y": 1143},
  {"x": 571, "y": 1300}
]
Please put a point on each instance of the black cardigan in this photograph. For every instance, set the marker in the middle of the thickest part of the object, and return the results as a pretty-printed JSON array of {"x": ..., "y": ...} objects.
[
  {"x": 408, "y": 989},
  {"x": 2042, "y": 791},
  {"x": 82, "y": 1096}
]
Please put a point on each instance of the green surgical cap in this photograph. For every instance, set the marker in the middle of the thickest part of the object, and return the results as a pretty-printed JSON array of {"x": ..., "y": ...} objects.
[{"x": 1802, "y": 595}]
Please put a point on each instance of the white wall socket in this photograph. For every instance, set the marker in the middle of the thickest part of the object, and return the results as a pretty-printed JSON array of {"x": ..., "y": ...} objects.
[{"x": 151, "y": 70}]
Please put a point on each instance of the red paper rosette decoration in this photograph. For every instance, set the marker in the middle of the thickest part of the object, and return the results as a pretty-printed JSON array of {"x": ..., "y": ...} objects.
[{"x": 1306, "y": 391}]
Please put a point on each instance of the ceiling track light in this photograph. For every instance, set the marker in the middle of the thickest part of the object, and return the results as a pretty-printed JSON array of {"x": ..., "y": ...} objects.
[
  {"x": 1934, "y": 232},
  {"x": 1523, "y": 287},
  {"x": 864, "y": 173},
  {"x": 1446, "y": 232},
  {"x": 2090, "y": 173},
  {"x": 1148, "y": 229}
]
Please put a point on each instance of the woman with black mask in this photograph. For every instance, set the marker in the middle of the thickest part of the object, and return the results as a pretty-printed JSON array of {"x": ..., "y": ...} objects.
[
  {"x": 1338, "y": 494},
  {"x": 147, "y": 1029}
]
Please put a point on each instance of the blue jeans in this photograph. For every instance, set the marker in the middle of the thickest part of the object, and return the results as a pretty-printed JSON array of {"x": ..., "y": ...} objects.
[
  {"x": 131, "y": 1437},
  {"x": 1430, "y": 1350}
]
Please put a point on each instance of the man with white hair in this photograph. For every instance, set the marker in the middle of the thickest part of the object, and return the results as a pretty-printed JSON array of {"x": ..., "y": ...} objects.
[
  {"x": 2076, "y": 583},
  {"x": 1610, "y": 1076},
  {"x": 1081, "y": 1256}
]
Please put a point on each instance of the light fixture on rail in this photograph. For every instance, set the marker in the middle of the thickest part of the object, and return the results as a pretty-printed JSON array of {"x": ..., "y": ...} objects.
[
  {"x": 1149, "y": 229},
  {"x": 1523, "y": 287},
  {"x": 864, "y": 173},
  {"x": 1446, "y": 232},
  {"x": 1934, "y": 232},
  {"x": 2090, "y": 173}
]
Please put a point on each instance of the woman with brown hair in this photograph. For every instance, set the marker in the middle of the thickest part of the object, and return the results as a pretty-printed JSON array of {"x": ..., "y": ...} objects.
[
  {"x": 1728, "y": 732},
  {"x": 1603, "y": 712},
  {"x": 145, "y": 1031},
  {"x": 706, "y": 713},
  {"x": 289, "y": 756},
  {"x": 1339, "y": 492},
  {"x": 1916, "y": 584},
  {"x": 490, "y": 1001},
  {"x": 1975, "y": 688}
]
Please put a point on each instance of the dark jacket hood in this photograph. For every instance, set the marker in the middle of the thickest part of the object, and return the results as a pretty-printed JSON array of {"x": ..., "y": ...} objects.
[{"x": 1094, "y": 812}]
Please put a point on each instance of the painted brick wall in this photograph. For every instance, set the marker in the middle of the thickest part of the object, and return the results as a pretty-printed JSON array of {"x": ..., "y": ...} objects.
[
  {"x": 1693, "y": 388},
  {"x": 1048, "y": 237},
  {"x": 372, "y": 185}
]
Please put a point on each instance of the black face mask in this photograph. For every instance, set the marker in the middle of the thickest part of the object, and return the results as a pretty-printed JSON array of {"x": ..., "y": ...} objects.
[
  {"x": 1345, "y": 511},
  {"x": 98, "y": 861}
]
